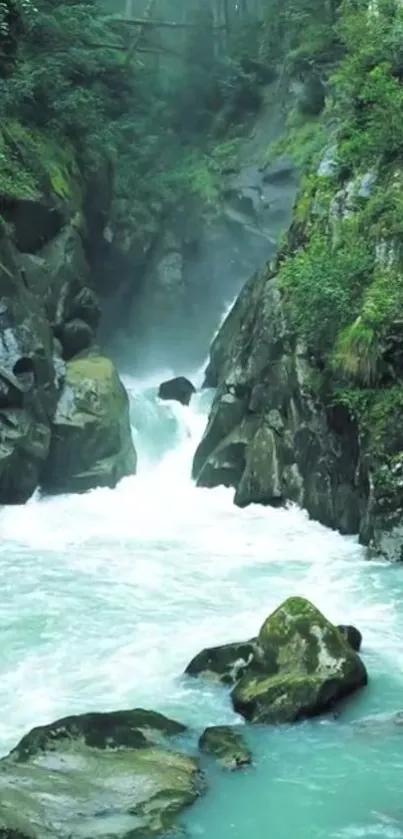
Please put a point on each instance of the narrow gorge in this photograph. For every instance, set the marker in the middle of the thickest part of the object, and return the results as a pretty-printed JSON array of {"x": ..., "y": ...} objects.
[{"x": 200, "y": 399}]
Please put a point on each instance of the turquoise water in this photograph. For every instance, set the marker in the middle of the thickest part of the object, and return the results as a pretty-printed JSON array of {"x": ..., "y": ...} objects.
[{"x": 106, "y": 597}]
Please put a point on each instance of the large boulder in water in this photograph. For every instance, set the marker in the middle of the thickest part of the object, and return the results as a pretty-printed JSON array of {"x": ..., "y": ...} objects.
[
  {"x": 110, "y": 774},
  {"x": 299, "y": 666},
  {"x": 91, "y": 443},
  {"x": 179, "y": 389}
]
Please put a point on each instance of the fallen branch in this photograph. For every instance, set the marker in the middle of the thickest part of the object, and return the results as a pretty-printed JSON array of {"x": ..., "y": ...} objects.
[{"x": 161, "y": 23}]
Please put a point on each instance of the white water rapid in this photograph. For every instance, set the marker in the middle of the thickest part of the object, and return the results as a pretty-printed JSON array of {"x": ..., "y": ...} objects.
[{"x": 105, "y": 597}]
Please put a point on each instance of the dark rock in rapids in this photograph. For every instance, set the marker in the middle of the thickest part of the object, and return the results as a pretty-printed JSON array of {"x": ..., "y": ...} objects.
[
  {"x": 225, "y": 664},
  {"x": 300, "y": 665},
  {"x": 97, "y": 774},
  {"x": 352, "y": 635},
  {"x": 226, "y": 744},
  {"x": 179, "y": 389}
]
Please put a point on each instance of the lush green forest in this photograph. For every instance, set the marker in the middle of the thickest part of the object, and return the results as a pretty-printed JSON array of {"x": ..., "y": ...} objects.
[
  {"x": 83, "y": 90},
  {"x": 80, "y": 86}
]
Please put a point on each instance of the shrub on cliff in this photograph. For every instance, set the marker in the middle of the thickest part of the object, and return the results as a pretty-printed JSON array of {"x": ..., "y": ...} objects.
[{"x": 323, "y": 288}]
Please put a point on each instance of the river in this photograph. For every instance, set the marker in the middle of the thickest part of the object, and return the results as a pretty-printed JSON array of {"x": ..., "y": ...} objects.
[{"x": 105, "y": 597}]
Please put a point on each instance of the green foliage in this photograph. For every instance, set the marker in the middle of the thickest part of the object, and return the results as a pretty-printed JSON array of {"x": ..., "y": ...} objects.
[
  {"x": 33, "y": 163},
  {"x": 70, "y": 85},
  {"x": 323, "y": 289},
  {"x": 302, "y": 140},
  {"x": 65, "y": 80},
  {"x": 368, "y": 82},
  {"x": 358, "y": 352},
  {"x": 16, "y": 179},
  {"x": 299, "y": 33},
  {"x": 344, "y": 291}
]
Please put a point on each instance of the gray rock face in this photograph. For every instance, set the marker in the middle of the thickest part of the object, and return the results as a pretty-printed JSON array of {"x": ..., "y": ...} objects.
[
  {"x": 114, "y": 774},
  {"x": 75, "y": 336},
  {"x": 28, "y": 382},
  {"x": 58, "y": 275},
  {"x": 266, "y": 435},
  {"x": 39, "y": 410}
]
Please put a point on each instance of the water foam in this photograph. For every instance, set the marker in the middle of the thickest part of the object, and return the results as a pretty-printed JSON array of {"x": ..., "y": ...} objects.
[{"x": 106, "y": 596}]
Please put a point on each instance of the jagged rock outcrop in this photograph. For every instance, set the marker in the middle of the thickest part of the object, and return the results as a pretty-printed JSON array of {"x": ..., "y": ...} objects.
[
  {"x": 49, "y": 314},
  {"x": 267, "y": 434},
  {"x": 96, "y": 774},
  {"x": 308, "y": 365},
  {"x": 29, "y": 381},
  {"x": 91, "y": 443},
  {"x": 300, "y": 665}
]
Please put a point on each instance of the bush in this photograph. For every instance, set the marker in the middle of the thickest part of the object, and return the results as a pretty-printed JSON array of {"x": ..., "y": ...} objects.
[{"x": 323, "y": 289}]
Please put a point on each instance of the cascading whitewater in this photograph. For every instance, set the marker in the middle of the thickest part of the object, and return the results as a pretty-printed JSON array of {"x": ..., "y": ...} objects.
[{"x": 108, "y": 595}]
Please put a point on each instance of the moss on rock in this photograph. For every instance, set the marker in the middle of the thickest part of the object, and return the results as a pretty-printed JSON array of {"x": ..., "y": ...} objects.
[
  {"x": 299, "y": 666},
  {"x": 91, "y": 438},
  {"x": 227, "y": 745},
  {"x": 93, "y": 774}
]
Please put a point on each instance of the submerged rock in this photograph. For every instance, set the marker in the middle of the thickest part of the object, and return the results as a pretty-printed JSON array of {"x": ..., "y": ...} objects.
[
  {"x": 299, "y": 666},
  {"x": 91, "y": 443},
  {"x": 111, "y": 774},
  {"x": 179, "y": 389},
  {"x": 226, "y": 744}
]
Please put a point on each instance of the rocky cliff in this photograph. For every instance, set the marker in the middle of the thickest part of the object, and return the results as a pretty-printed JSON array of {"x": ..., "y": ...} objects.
[
  {"x": 308, "y": 365},
  {"x": 55, "y": 388}
]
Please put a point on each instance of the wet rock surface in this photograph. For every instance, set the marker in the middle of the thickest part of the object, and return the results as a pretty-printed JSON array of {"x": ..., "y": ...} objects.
[
  {"x": 226, "y": 744},
  {"x": 91, "y": 443},
  {"x": 116, "y": 774},
  {"x": 300, "y": 665},
  {"x": 179, "y": 389},
  {"x": 266, "y": 435}
]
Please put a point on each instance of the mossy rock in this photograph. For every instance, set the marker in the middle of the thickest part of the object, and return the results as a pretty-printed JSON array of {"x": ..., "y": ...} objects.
[
  {"x": 308, "y": 667},
  {"x": 227, "y": 745},
  {"x": 283, "y": 698},
  {"x": 91, "y": 442},
  {"x": 300, "y": 665},
  {"x": 112, "y": 774},
  {"x": 40, "y": 184}
]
